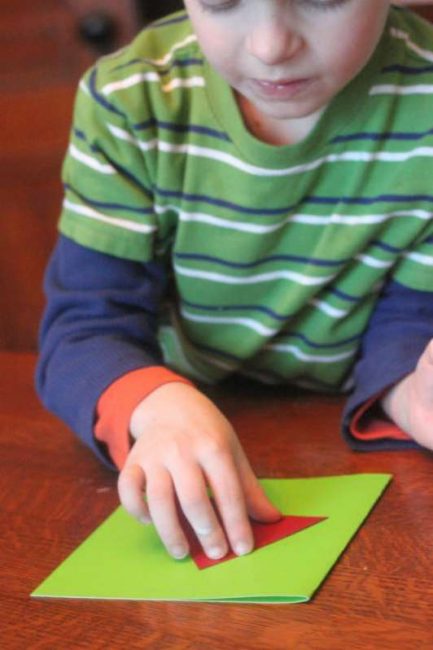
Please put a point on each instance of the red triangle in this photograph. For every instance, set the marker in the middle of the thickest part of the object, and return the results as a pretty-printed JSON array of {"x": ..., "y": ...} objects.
[{"x": 264, "y": 534}]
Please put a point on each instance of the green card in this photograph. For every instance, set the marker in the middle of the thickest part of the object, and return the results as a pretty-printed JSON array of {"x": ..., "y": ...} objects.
[{"x": 125, "y": 560}]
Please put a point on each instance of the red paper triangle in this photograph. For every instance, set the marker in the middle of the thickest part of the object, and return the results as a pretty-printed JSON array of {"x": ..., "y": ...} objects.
[{"x": 264, "y": 534}]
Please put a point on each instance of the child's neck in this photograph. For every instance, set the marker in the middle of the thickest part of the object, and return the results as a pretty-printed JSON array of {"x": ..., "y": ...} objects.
[{"x": 275, "y": 131}]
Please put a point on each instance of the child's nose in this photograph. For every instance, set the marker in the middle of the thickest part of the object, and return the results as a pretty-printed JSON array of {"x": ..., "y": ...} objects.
[{"x": 274, "y": 43}]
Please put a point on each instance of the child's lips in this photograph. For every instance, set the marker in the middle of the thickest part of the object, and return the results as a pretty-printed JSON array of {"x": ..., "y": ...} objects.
[{"x": 281, "y": 88}]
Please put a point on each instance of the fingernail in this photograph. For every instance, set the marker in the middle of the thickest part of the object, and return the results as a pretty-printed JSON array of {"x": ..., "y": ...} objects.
[
  {"x": 179, "y": 552},
  {"x": 242, "y": 548},
  {"x": 216, "y": 552}
]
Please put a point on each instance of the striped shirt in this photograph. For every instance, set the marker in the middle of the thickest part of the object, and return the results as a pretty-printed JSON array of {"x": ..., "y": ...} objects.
[{"x": 276, "y": 255}]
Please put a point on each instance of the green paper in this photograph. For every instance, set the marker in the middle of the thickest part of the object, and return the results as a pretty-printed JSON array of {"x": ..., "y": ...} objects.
[{"x": 125, "y": 560}]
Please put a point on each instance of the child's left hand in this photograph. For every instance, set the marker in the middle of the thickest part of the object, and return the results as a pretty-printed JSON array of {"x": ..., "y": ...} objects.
[{"x": 410, "y": 402}]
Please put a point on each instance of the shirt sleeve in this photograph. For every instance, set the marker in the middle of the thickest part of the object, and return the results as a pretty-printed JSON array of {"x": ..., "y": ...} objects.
[
  {"x": 400, "y": 328},
  {"x": 116, "y": 404},
  {"x": 99, "y": 324}
]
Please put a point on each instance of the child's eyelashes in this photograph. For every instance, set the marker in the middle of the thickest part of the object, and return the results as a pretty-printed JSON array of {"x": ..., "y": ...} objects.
[
  {"x": 225, "y": 5},
  {"x": 323, "y": 4},
  {"x": 218, "y": 5}
]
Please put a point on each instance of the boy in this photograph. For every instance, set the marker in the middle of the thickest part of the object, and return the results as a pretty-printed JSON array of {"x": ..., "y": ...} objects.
[{"x": 247, "y": 191}]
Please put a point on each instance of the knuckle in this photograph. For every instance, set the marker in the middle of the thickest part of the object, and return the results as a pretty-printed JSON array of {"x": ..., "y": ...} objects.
[
  {"x": 215, "y": 447},
  {"x": 158, "y": 496},
  {"x": 194, "y": 503}
]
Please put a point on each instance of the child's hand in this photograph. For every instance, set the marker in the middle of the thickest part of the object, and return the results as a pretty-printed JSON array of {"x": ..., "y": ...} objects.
[
  {"x": 184, "y": 443},
  {"x": 410, "y": 402}
]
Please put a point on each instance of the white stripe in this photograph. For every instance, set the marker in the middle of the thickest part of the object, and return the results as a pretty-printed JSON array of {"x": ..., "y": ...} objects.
[
  {"x": 89, "y": 161},
  {"x": 192, "y": 82},
  {"x": 232, "y": 161},
  {"x": 129, "y": 81},
  {"x": 344, "y": 220},
  {"x": 223, "y": 320},
  {"x": 221, "y": 223},
  {"x": 85, "y": 211},
  {"x": 138, "y": 78},
  {"x": 369, "y": 260},
  {"x": 393, "y": 89},
  {"x": 253, "y": 279},
  {"x": 426, "y": 260},
  {"x": 309, "y": 358},
  {"x": 404, "y": 36},
  {"x": 328, "y": 309},
  {"x": 349, "y": 220},
  {"x": 177, "y": 46},
  {"x": 84, "y": 88}
]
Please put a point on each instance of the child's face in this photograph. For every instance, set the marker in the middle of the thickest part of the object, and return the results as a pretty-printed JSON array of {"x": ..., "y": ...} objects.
[{"x": 288, "y": 58}]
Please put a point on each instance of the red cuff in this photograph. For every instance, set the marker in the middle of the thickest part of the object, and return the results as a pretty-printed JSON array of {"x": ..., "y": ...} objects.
[
  {"x": 117, "y": 402},
  {"x": 371, "y": 423}
]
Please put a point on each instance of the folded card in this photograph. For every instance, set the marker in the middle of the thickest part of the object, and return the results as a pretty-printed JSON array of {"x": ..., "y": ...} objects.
[{"x": 122, "y": 559}]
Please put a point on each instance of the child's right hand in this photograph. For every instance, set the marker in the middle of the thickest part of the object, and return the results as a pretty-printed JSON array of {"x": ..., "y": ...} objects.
[{"x": 184, "y": 444}]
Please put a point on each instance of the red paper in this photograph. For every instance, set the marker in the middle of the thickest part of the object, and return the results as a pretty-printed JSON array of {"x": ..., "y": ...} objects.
[{"x": 264, "y": 534}]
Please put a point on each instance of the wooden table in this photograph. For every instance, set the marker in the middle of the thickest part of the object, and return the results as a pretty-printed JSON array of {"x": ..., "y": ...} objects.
[{"x": 54, "y": 493}]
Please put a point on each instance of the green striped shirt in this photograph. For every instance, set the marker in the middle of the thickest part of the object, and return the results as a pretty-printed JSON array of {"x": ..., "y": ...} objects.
[{"x": 276, "y": 255}]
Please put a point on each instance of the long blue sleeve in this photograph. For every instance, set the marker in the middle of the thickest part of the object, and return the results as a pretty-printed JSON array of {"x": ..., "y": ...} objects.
[
  {"x": 99, "y": 323},
  {"x": 398, "y": 332}
]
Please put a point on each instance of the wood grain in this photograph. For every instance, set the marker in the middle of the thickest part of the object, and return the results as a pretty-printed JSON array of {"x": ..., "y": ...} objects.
[{"x": 54, "y": 493}]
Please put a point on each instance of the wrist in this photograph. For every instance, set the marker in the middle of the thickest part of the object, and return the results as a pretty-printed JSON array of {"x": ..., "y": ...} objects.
[{"x": 149, "y": 410}]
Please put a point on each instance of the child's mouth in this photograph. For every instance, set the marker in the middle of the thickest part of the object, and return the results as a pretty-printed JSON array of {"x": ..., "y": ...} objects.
[{"x": 281, "y": 88}]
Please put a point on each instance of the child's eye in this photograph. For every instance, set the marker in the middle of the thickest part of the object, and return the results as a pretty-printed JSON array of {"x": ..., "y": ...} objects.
[
  {"x": 323, "y": 4},
  {"x": 218, "y": 5},
  {"x": 225, "y": 5}
]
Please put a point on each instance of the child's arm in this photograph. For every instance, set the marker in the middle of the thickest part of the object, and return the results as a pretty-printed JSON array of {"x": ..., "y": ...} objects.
[
  {"x": 397, "y": 337},
  {"x": 99, "y": 326}
]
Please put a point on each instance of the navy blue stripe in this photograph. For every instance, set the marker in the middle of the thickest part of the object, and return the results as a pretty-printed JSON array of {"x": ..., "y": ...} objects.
[
  {"x": 319, "y": 346},
  {"x": 264, "y": 260},
  {"x": 201, "y": 198},
  {"x": 100, "y": 99},
  {"x": 108, "y": 206},
  {"x": 406, "y": 69},
  {"x": 343, "y": 295},
  {"x": 279, "y": 377},
  {"x": 181, "y": 128},
  {"x": 387, "y": 247},
  {"x": 163, "y": 70},
  {"x": 119, "y": 168},
  {"x": 401, "y": 136},
  {"x": 314, "y": 200},
  {"x": 360, "y": 200},
  {"x": 429, "y": 240},
  {"x": 83, "y": 137},
  {"x": 222, "y": 308},
  {"x": 259, "y": 308}
]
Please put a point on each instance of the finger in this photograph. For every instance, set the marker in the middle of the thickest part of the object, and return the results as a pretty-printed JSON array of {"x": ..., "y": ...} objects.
[
  {"x": 131, "y": 485},
  {"x": 227, "y": 489},
  {"x": 195, "y": 503},
  {"x": 162, "y": 506},
  {"x": 258, "y": 504}
]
